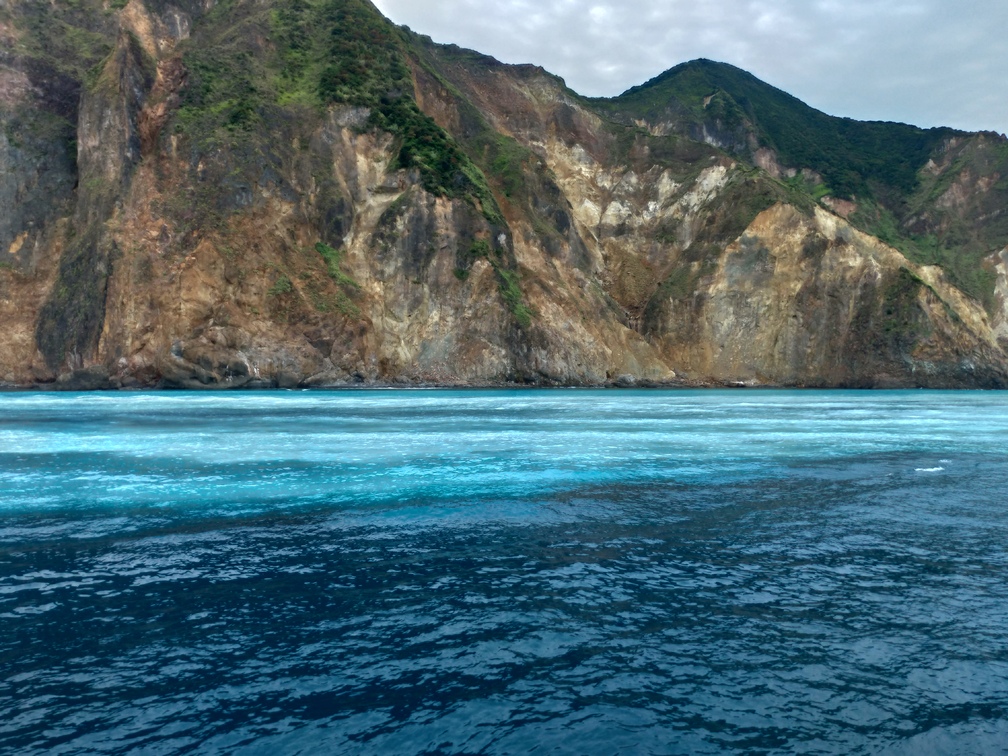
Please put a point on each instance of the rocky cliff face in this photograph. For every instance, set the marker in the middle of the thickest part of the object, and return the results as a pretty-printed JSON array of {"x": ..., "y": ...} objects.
[{"x": 247, "y": 194}]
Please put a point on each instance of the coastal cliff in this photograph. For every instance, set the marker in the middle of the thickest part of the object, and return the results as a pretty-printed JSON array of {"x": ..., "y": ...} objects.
[{"x": 299, "y": 193}]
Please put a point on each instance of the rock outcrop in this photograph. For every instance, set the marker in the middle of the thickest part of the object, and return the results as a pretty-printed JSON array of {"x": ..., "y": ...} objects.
[{"x": 219, "y": 195}]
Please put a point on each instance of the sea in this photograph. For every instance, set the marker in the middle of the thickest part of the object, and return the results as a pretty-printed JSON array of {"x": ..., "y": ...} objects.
[{"x": 504, "y": 572}]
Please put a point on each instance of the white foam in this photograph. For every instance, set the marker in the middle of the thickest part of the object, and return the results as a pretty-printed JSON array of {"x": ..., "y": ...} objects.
[{"x": 930, "y": 469}]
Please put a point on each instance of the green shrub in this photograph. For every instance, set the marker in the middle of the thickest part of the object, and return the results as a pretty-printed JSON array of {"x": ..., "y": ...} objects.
[
  {"x": 479, "y": 248},
  {"x": 511, "y": 292},
  {"x": 282, "y": 286},
  {"x": 332, "y": 258}
]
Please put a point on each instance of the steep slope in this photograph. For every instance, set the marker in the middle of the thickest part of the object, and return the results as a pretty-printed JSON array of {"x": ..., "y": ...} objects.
[{"x": 297, "y": 192}]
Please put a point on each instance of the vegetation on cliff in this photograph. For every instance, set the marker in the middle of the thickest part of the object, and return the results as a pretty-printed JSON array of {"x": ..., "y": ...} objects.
[{"x": 320, "y": 53}]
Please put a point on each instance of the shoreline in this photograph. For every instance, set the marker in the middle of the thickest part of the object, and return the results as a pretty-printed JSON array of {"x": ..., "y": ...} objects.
[{"x": 266, "y": 387}]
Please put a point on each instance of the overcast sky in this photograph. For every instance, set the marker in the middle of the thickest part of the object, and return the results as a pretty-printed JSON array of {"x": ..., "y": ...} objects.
[{"x": 926, "y": 62}]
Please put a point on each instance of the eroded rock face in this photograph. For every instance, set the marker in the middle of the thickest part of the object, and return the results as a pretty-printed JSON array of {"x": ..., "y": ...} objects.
[
  {"x": 1000, "y": 317},
  {"x": 825, "y": 305},
  {"x": 289, "y": 248}
]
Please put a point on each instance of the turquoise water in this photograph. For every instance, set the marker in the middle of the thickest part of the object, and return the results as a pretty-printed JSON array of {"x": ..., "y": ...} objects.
[{"x": 564, "y": 571}]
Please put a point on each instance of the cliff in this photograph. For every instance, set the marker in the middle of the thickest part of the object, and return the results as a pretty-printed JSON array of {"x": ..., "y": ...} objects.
[{"x": 298, "y": 193}]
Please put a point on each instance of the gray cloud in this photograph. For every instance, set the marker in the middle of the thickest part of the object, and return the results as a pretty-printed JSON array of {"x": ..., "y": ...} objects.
[{"x": 927, "y": 62}]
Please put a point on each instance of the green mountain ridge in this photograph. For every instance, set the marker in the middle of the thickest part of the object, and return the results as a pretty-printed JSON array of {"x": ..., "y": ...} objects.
[{"x": 851, "y": 156}]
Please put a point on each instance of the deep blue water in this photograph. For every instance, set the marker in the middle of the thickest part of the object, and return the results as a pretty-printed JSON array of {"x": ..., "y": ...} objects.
[{"x": 563, "y": 572}]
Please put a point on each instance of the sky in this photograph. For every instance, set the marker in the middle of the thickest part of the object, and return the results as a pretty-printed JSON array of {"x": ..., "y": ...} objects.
[{"x": 925, "y": 62}]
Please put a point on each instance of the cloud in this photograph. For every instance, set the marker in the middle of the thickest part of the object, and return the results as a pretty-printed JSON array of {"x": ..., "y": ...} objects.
[{"x": 927, "y": 62}]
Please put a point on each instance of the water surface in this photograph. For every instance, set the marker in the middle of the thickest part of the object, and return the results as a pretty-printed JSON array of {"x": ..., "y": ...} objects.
[{"x": 504, "y": 572}]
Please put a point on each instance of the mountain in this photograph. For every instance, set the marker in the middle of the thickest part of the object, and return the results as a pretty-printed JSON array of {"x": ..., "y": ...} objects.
[{"x": 249, "y": 193}]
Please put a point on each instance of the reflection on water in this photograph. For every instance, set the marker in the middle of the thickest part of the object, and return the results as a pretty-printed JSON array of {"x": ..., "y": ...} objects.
[{"x": 565, "y": 572}]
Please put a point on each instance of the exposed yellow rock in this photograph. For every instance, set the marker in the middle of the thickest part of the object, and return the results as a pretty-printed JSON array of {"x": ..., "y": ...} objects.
[{"x": 17, "y": 244}]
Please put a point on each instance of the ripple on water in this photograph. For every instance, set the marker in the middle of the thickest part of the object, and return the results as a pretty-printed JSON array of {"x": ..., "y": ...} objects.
[{"x": 812, "y": 602}]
